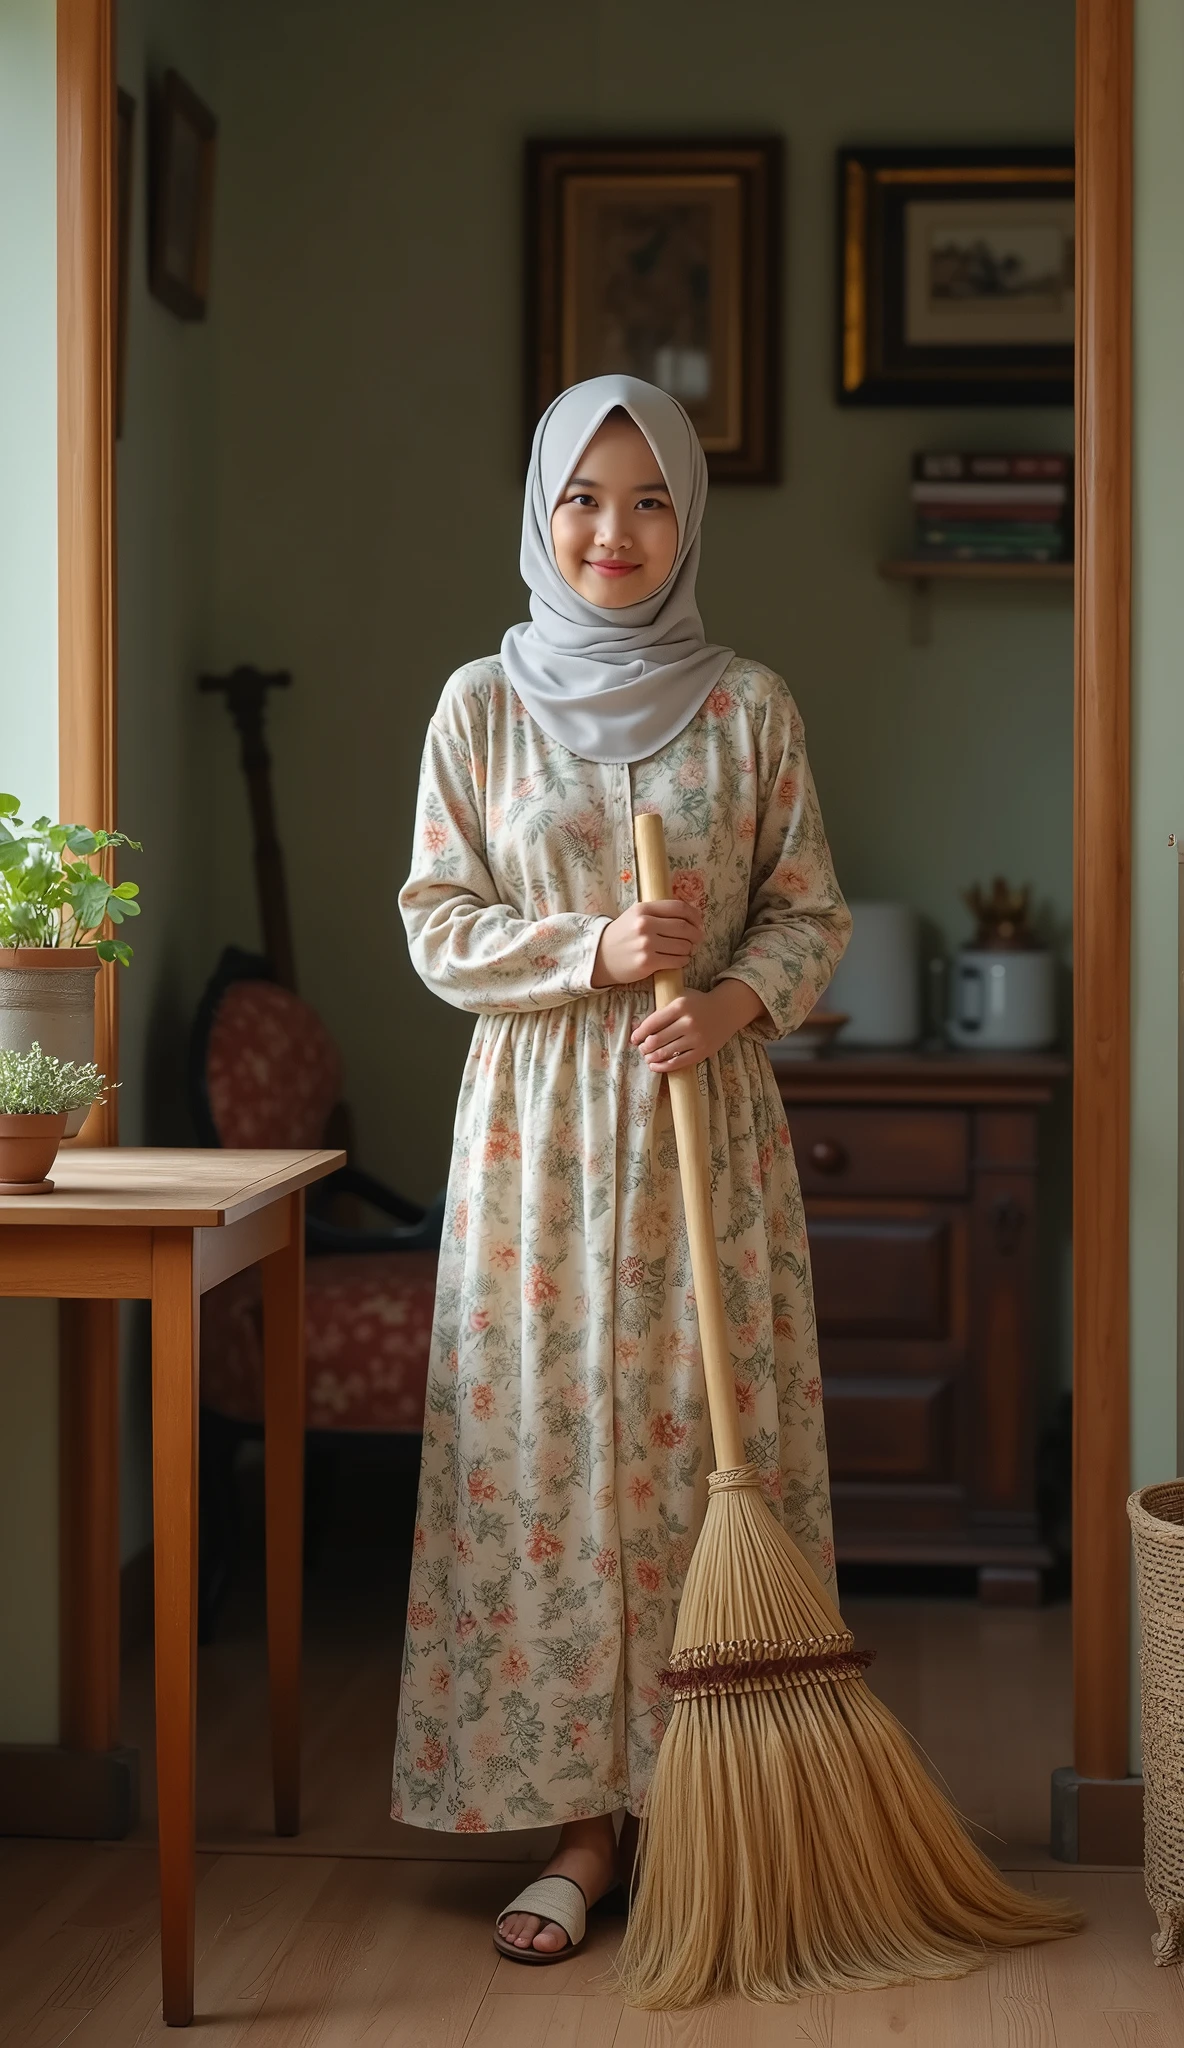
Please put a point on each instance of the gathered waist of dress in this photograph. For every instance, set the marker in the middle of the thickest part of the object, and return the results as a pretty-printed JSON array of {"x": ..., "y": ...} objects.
[
  {"x": 602, "y": 1022},
  {"x": 634, "y": 999}
]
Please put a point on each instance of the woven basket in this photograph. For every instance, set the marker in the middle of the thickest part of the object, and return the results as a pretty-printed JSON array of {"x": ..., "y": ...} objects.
[{"x": 1157, "y": 1522}]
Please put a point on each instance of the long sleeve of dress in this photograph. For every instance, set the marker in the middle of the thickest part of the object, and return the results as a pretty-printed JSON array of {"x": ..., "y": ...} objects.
[
  {"x": 798, "y": 923},
  {"x": 475, "y": 951}
]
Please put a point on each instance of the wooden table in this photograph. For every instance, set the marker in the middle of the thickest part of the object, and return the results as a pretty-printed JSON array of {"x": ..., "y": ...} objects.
[{"x": 164, "y": 1226}]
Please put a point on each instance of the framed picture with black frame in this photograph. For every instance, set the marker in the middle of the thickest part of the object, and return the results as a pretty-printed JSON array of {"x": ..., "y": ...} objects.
[
  {"x": 661, "y": 257},
  {"x": 955, "y": 276}
]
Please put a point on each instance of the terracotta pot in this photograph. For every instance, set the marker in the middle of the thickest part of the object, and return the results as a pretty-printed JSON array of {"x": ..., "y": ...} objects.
[
  {"x": 28, "y": 1148},
  {"x": 47, "y": 994}
]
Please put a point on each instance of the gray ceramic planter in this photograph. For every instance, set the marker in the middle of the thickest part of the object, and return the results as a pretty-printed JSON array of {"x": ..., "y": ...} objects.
[{"x": 47, "y": 996}]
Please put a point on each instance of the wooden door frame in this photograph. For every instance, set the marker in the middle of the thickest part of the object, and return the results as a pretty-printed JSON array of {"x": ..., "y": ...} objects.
[
  {"x": 1102, "y": 896},
  {"x": 87, "y": 791},
  {"x": 1102, "y": 847}
]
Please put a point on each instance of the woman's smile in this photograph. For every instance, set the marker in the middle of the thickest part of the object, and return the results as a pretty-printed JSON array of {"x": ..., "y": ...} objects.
[{"x": 611, "y": 568}]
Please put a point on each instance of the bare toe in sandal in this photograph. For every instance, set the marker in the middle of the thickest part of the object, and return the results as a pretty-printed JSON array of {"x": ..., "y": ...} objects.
[{"x": 558, "y": 1900}]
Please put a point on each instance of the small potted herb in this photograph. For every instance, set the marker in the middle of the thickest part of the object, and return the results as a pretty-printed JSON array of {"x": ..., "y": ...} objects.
[
  {"x": 38, "y": 1094},
  {"x": 53, "y": 907}
]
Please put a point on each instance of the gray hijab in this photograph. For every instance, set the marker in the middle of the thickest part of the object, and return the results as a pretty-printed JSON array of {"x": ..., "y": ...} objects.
[{"x": 612, "y": 685}]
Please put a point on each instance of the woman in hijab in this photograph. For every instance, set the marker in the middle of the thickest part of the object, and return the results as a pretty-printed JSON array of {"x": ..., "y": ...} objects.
[{"x": 566, "y": 1443}]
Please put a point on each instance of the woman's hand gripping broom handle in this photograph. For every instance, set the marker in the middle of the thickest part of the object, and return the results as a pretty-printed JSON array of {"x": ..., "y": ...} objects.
[{"x": 690, "y": 1130}]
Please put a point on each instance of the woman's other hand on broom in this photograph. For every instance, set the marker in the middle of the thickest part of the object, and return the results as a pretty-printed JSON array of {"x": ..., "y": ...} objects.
[
  {"x": 695, "y": 1025},
  {"x": 644, "y": 939}
]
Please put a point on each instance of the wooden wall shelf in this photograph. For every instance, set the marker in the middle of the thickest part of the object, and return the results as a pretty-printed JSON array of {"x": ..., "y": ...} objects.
[
  {"x": 916, "y": 569},
  {"x": 921, "y": 573}
]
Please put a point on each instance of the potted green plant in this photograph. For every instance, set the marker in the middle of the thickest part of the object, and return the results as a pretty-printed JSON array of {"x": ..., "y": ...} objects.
[
  {"x": 53, "y": 906},
  {"x": 38, "y": 1094}
]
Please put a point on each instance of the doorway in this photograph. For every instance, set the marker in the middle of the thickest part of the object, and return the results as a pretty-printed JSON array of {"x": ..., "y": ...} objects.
[{"x": 1101, "y": 833}]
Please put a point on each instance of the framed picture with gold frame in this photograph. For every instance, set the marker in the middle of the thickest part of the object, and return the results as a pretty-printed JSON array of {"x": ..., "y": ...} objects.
[
  {"x": 955, "y": 276},
  {"x": 661, "y": 258}
]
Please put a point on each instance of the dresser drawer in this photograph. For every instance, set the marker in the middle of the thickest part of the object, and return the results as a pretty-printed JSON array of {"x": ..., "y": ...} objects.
[
  {"x": 897, "y": 1152},
  {"x": 901, "y": 1429},
  {"x": 882, "y": 1277}
]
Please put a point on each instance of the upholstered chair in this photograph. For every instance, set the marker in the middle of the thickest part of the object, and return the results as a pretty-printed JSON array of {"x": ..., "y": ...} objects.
[{"x": 266, "y": 1072}]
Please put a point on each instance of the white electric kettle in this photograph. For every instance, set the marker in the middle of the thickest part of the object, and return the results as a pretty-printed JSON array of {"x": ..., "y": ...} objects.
[{"x": 1002, "y": 1001}]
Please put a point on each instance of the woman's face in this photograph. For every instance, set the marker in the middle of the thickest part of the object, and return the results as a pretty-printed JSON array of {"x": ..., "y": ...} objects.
[{"x": 614, "y": 530}]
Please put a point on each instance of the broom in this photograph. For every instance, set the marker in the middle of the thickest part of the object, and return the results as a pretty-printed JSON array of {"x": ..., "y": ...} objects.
[{"x": 791, "y": 1840}]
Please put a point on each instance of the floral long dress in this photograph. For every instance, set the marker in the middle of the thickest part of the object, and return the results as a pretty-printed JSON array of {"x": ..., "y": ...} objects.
[{"x": 566, "y": 1443}]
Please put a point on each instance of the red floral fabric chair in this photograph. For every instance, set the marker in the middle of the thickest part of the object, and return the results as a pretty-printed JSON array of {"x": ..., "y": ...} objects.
[
  {"x": 272, "y": 1073},
  {"x": 368, "y": 1325},
  {"x": 264, "y": 1071},
  {"x": 269, "y": 1074}
]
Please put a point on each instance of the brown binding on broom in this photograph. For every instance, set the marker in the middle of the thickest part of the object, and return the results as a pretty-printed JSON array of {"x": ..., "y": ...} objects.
[
  {"x": 712, "y": 1671},
  {"x": 792, "y": 1840}
]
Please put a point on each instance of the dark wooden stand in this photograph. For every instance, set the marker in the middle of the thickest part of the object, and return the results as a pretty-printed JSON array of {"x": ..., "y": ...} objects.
[
  {"x": 919, "y": 1173},
  {"x": 246, "y": 690}
]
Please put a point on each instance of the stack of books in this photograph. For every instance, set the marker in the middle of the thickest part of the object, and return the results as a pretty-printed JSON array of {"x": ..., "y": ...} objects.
[{"x": 993, "y": 508}]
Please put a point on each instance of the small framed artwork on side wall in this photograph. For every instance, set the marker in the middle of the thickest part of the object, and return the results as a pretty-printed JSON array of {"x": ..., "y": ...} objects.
[
  {"x": 125, "y": 135},
  {"x": 955, "y": 276},
  {"x": 181, "y": 196},
  {"x": 661, "y": 259}
]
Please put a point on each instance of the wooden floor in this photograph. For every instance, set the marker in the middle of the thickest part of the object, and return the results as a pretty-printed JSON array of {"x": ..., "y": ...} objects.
[
  {"x": 371, "y": 1952},
  {"x": 363, "y": 1936}
]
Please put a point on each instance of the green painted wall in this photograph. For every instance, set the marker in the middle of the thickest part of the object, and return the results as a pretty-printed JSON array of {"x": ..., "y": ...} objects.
[
  {"x": 1158, "y": 686},
  {"x": 368, "y": 337},
  {"x": 29, "y": 768}
]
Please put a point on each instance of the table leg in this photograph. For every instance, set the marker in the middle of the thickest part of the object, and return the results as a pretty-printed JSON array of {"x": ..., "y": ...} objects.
[
  {"x": 283, "y": 1449},
  {"x": 175, "y": 1313}
]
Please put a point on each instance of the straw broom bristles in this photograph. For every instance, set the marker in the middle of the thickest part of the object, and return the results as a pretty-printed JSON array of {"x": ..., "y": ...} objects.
[{"x": 791, "y": 1840}]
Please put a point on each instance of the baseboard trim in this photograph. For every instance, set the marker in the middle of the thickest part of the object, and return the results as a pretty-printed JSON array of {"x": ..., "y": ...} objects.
[
  {"x": 68, "y": 1793},
  {"x": 1097, "y": 1820},
  {"x": 73, "y": 1794},
  {"x": 135, "y": 1601}
]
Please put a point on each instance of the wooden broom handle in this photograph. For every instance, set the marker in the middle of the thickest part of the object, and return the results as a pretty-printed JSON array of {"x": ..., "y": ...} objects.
[{"x": 694, "y": 1166}]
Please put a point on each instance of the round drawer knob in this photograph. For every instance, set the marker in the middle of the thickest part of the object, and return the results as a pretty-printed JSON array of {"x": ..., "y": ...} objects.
[{"x": 828, "y": 1156}]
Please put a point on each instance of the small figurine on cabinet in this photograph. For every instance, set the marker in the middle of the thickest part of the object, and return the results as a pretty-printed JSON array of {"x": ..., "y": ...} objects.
[{"x": 1002, "y": 915}]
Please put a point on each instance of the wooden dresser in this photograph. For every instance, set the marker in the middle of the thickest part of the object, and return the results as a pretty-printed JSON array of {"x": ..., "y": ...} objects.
[{"x": 919, "y": 1173}]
